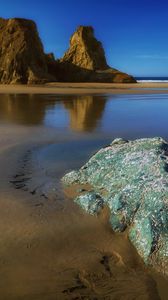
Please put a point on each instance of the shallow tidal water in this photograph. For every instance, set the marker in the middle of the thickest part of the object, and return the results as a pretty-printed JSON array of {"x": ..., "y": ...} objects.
[
  {"x": 61, "y": 133},
  {"x": 92, "y": 121},
  {"x": 130, "y": 116},
  {"x": 89, "y": 121}
]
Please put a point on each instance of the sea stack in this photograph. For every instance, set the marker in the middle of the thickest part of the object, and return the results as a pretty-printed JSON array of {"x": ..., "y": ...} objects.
[
  {"x": 22, "y": 58},
  {"x": 86, "y": 53}
]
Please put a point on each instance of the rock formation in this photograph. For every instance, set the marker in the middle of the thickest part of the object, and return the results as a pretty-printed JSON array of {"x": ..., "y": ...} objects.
[
  {"x": 22, "y": 58},
  {"x": 85, "y": 51},
  {"x": 131, "y": 179},
  {"x": 87, "y": 55}
]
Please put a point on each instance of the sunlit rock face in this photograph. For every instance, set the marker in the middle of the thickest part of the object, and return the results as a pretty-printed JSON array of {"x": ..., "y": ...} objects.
[
  {"x": 22, "y": 59},
  {"x": 85, "y": 51},
  {"x": 86, "y": 58},
  {"x": 131, "y": 179}
]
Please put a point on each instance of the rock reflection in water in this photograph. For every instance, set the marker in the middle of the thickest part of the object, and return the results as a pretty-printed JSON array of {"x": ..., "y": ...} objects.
[
  {"x": 84, "y": 112},
  {"x": 24, "y": 109}
]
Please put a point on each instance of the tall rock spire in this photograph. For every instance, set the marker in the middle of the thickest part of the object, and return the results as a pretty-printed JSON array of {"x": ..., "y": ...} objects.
[{"x": 85, "y": 50}]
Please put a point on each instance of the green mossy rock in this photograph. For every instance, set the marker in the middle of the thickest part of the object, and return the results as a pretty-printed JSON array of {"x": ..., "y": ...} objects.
[
  {"x": 91, "y": 202},
  {"x": 131, "y": 178}
]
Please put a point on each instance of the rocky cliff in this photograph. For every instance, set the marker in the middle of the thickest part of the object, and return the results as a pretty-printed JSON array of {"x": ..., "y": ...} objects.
[
  {"x": 86, "y": 53},
  {"x": 22, "y": 58}
]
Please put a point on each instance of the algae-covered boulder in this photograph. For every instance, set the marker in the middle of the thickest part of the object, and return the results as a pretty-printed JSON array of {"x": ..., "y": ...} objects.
[{"x": 131, "y": 179}]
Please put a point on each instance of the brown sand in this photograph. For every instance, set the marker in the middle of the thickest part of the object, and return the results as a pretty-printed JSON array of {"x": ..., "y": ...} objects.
[
  {"x": 85, "y": 88},
  {"x": 50, "y": 249}
]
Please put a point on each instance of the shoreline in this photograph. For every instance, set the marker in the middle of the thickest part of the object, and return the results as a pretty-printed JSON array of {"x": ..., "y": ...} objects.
[
  {"x": 60, "y": 88},
  {"x": 35, "y": 246},
  {"x": 49, "y": 247}
]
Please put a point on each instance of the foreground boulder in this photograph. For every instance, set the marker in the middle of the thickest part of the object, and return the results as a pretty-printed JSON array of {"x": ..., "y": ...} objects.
[
  {"x": 131, "y": 179},
  {"x": 86, "y": 59},
  {"x": 22, "y": 58}
]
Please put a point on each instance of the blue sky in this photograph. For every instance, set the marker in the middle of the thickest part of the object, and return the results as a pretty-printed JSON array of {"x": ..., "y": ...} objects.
[{"x": 134, "y": 33}]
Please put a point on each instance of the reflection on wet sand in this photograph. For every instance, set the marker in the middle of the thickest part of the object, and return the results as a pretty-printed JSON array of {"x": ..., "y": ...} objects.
[
  {"x": 85, "y": 111},
  {"x": 24, "y": 109}
]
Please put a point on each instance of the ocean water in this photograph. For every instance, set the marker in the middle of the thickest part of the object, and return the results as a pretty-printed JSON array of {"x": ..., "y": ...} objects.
[{"x": 152, "y": 79}]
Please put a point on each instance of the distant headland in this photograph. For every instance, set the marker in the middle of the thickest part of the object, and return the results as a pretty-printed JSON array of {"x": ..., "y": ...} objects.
[{"x": 23, "y": 61}]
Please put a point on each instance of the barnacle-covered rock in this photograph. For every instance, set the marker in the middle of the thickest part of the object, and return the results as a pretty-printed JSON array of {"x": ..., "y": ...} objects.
[
  {"x": 131, "y": 178},
  {"x": 91, "y": 202}
]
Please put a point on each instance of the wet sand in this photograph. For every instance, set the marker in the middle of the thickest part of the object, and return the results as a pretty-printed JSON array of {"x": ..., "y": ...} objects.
[
  {"x": 86, "y": 88},
  {"x": 50, "y": 249}
]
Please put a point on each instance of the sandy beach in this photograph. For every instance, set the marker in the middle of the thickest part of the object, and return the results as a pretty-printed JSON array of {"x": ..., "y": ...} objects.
[
  {"x": 51, "y": 249},
  {"x": 86, "y": 88},
  {"x": 83, "y": 86}
]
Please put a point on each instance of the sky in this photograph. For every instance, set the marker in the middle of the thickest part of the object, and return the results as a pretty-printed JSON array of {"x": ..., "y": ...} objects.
[{"x": 134, "y": 33}]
